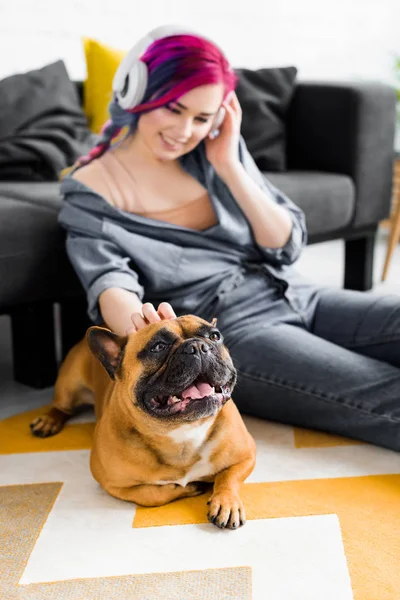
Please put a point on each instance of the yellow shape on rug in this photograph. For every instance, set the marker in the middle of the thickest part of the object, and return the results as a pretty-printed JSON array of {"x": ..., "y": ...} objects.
[
  {"x": 308, "y": 438},
  {"x": 25, "y": 510},
  {"x": 368, "y": 509},
  {"x": 16, "y": 436}
]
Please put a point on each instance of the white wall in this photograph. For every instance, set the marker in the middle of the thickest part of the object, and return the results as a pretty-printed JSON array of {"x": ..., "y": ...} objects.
[{"x": 341, "y": 39}]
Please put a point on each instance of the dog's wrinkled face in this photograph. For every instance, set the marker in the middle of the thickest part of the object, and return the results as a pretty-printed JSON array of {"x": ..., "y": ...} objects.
[
  {"x": 180, "y": 369},
  {"x": 187, "y": 373}
]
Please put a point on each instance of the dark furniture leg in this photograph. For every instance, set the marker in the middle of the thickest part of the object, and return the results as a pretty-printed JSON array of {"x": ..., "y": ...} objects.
[
  {"x": 74, "y": 322},
  {"x": 33, "y": 345},
  {"x": 359, "y": 258}
]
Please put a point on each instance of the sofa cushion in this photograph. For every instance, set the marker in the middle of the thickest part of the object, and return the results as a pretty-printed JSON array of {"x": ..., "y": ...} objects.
[
  {"x": 264, "y": 96},
  {"x": 328, "y": 200},
  {"x": 101, "y": 63},
  {"x": 42, "y": 126},
  {"x": 33, "y": 261}
]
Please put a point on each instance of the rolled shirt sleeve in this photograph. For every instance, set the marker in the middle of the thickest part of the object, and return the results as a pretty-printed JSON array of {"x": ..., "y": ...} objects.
[
  {"x": 97, "y": 260},
  {"x": 100, "y": 265},
  {"x": 288, "y": 253}
]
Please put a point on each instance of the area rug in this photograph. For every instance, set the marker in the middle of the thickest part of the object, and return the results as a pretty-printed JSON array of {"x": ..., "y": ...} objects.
[{"x": 323, "y": 522}]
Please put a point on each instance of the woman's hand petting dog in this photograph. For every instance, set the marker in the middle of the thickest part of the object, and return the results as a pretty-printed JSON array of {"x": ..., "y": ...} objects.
[{"x": 150, "y": 315}]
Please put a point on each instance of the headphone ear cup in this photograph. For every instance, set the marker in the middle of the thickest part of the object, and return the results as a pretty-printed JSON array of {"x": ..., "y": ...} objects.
[
  {"x": 134, "y": 87},
  {"x": 130, "y": 79},
  {"x": 218, "y": 120}
]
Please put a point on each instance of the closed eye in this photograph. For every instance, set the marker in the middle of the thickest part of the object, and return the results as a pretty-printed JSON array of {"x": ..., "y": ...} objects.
[{"x": 178, "y": 112}]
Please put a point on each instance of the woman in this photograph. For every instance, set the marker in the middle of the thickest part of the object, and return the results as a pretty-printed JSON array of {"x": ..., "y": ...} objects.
[{"x": 176, "y": 215}]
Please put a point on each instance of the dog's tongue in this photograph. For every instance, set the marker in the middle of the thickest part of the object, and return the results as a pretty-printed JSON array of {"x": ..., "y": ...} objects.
[{"x": 197, "y": 391}]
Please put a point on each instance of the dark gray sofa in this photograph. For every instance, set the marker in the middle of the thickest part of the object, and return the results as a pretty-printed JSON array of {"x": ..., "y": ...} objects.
[{"x": 339, "y": 157}]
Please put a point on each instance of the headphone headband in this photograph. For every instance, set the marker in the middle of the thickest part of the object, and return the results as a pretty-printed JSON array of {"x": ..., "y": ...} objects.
[
  {"x": 119, "y": 81},
  {"x": 130, "y": 80}
]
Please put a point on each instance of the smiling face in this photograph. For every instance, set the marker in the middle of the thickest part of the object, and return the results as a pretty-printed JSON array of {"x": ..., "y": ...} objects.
[{"x": 168, "y": 132}]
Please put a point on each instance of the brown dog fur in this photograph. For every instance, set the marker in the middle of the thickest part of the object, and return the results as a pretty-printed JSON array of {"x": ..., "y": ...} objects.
[{"x": 138, "y": 457}]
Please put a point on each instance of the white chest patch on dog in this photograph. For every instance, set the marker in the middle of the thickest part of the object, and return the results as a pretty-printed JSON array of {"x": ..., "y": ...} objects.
[
  {"x": 188, "y": 433},
  {"x": 197, "y": 436}
]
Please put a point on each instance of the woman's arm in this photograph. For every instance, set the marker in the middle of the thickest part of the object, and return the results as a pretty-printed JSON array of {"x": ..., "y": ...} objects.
[
  {"x": 271, "y": 223},
  {"x": 278, "y": 225},
  {"x": 117, "y": 306},
  {"x": 114, "y": 292}
]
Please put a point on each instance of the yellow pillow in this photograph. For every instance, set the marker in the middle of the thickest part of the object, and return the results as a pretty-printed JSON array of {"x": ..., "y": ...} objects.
[{"x": 101, "y": 63}]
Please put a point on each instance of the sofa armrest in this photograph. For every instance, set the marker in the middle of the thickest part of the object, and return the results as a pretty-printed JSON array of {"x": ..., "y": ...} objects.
[{"x": 346, "y": 128}]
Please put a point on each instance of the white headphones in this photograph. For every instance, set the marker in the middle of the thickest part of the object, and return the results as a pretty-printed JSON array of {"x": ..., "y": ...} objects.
[{"x": 130, "y": 80}]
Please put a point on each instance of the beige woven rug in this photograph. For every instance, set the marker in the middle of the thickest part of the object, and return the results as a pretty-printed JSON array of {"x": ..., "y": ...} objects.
[{"x": 323, "y": 523}]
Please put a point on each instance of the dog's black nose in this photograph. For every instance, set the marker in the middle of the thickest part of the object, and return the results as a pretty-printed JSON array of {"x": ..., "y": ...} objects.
[{"x": 195, "y": 347}]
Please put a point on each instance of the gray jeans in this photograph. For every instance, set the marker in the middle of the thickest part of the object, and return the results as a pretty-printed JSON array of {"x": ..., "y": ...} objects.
[{"x": 331, "y": 364}]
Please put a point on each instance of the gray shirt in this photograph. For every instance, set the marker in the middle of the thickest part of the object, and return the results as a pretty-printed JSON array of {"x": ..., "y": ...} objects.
[{"x": 160, "y": 261}]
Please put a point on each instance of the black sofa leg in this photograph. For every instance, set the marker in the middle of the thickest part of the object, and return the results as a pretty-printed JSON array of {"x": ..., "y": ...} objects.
[
  {"x": 359, "y": 260},
  {"x": 74, "y": 322},
  {"x": 33, "y": 345}
]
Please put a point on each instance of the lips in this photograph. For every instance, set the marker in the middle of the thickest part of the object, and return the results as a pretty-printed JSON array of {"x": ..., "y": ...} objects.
[{"x": 168, "y": 143}]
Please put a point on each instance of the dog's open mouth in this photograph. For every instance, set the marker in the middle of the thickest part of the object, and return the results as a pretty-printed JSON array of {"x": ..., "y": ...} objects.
[{"x": 198, "y": 391}]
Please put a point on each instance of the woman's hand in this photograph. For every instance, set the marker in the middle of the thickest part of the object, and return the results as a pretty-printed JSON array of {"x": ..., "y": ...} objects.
[
  {"x": 150, "y": 315},
  {"x": 223, "y": 151}
]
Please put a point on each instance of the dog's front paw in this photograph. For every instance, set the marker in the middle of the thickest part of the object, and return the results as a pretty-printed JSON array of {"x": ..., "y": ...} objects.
[
  {"x": 226, "y": 510},
  {"x": 46, "y": 425}
]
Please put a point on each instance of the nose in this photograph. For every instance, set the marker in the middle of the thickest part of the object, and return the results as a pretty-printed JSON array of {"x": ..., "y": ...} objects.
[
  {"x": 184, "y": 131},
  {"x": 195, "y": 347}
]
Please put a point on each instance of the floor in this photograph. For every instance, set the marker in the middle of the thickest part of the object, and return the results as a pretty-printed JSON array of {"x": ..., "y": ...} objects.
[{"x": 321, "y": 262}]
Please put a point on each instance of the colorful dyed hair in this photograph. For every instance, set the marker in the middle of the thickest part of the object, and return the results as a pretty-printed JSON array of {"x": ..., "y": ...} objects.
[{"x": 175, "y": 65}]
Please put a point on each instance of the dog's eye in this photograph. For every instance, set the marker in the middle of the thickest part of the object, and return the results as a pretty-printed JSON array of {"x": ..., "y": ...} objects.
[
  {"x": 158, "y": 347},
  {"x": 215, "y": 336}
]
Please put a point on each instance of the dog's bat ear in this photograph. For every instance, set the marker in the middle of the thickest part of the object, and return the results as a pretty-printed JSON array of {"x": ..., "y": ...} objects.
[
  {"x": 214, "y": 322},
  {"x": 108, "y": 347}
]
